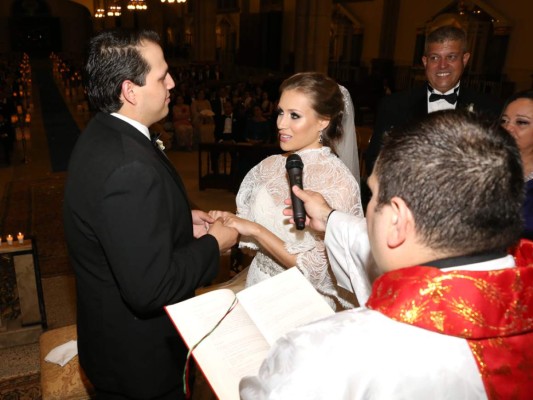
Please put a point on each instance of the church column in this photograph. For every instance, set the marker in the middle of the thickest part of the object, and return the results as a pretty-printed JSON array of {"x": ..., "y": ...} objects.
[
  {"x": 383, "y": 67},
  {"x": 204, "y": 40},
  {"x": 313, "y": 19},
  {"x": 389, "y": 24}
]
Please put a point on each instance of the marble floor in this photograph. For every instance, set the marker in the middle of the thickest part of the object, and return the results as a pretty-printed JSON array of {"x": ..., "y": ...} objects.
[{"x": 59, "y": 292}]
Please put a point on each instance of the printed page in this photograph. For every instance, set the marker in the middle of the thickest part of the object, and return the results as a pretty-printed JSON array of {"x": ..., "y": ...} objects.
[
  {"x": 237, "y": 347},
  {"x": 233, "y": 350},
  {"x": 282, "y": 303}
]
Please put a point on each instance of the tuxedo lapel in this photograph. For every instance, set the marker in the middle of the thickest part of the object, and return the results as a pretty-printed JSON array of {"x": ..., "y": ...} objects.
[
  {"x": 126, "y": 129},
  {"x": 171, "y": 169},
  {"x": 420, "y": 103},
  {"x": 464, "y": 102}
]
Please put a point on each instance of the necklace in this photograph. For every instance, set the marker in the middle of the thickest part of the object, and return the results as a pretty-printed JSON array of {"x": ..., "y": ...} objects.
[{"x": 528, "y": 177}]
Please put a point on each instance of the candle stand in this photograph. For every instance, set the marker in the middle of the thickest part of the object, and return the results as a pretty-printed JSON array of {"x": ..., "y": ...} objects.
[{"x": 28, "y": 326}]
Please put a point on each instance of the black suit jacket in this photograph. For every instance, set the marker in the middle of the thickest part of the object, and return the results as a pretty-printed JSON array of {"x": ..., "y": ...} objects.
[
  {"x": 402, "y": 107},
  {"x": 237, "y": 128},
  {"x": 216, "y": 105},
  {"x": 129, "y": 231}
]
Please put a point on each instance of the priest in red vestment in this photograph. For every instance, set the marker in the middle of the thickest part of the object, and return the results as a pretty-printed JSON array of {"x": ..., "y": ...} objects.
[{"x": 451, "y": 316}]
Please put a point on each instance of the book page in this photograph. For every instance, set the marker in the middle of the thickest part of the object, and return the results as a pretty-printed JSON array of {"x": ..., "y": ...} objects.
[
  {"x": 233, "y": 350},
  {"x": 282, "y": 303},
  {"x": 238, "y": 346}
]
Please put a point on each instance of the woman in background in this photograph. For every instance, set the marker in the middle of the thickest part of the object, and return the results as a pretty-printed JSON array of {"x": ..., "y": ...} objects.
[
  {"x": 181, "y": 118},
  {"x": 310, "y": 123},
  {"x": 202, "y": 118},
  {"x": 517, "y": 119},
  {"x": 257, "y": 127}
]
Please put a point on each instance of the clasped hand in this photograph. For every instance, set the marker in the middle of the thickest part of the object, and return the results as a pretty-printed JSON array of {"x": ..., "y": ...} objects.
[
  {"x": 316, "y": 208},
  {"x": 243, "y": 226},
  {"x": 204, "y": 223}
]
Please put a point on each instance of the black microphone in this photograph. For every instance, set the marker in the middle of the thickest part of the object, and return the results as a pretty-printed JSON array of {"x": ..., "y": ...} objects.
[{"x": 294, "y": 166}]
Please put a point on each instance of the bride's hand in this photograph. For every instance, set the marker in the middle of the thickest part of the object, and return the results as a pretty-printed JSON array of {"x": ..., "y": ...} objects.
[
  {"x": 216, "y": 214},
  {"x": 243, "y": 226}
]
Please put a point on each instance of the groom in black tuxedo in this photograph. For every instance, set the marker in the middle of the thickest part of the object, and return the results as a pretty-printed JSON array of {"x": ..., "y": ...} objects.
[
  {"x": 134, "y": 242},
  {"x": 445, "y": 58}
]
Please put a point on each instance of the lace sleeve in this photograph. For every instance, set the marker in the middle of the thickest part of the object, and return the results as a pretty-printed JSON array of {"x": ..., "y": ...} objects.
[
  {"x": 246, "y": 190},
  {"x": 333, "y": 180},
  {"x": 245, "y": 200}
]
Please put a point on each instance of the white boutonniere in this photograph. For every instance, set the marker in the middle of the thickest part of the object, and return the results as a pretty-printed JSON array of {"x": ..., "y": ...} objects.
[
  {"x": 470, "y": 108},
  {"x": 160, "y": 144}
]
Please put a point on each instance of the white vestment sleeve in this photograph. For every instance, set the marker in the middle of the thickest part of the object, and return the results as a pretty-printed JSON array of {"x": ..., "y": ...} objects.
[{"x": 349, "y": 253}]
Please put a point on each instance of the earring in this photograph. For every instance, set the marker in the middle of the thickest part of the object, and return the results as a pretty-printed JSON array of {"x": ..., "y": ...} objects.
[{"x": 320, "y": 138}]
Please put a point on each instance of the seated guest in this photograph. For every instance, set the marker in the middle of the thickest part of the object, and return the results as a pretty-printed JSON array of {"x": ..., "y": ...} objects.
[
  {"x": 218, "y": 101},
  {"x": 181, "y": 118},
  {"x": 202, "y": 118},
  {"x": 266, "y": 105},
  {"x": 228, "y": 126},
  {"x": 451, "y": 311},
  {"x": 257, "y": 127},
  {"x": 517, "y": 119}
]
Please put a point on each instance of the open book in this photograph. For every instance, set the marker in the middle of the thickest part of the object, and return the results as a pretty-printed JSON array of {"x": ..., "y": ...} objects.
[{"x": 240, "y": 343}]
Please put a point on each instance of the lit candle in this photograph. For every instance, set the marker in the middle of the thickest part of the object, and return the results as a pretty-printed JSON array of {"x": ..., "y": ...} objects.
[
  {"x": 9, "y": 239},
  {"x": 20, "y": 237}
]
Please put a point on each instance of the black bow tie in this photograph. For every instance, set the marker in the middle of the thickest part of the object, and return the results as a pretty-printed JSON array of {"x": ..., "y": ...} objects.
[{"x": 450, "y": 98}]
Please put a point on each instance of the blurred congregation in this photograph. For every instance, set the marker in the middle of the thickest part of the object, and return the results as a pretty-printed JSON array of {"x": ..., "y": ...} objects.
[{"x": 240, "y": 51}]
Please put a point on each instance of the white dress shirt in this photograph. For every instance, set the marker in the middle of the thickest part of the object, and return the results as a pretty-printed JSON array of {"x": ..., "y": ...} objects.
[
  {"x": 136, "y": 124},
  {"x": 441, "y": 104}
]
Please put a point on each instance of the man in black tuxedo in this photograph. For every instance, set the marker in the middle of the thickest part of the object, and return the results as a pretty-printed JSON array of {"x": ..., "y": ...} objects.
[
  {"x": 229, "y": 128},
  {"x": 445, "y": 58},
  {"x": 218, "y": 102},
  {"x": 134, "y": 242}
]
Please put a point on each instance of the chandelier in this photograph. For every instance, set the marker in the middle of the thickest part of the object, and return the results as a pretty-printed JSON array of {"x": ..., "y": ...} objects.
[
  {"x": 100, "y": 10},
  {"x": 114, "y": 11},
  {"x": 173, "y": 1},
  {"x": 137, "y": 5}
]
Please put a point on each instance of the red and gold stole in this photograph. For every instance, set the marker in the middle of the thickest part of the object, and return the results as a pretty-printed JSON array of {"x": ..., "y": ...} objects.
[{"x": 492, "y": 310}]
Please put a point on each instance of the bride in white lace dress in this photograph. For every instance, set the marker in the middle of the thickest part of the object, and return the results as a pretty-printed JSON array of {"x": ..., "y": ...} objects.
[{"x": 309, "y": 122}]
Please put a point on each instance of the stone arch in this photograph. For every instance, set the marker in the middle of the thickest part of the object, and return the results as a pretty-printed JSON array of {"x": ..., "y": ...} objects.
[
  {"x": 345, "y": 45},
  {"x": 225, "y": 38}
]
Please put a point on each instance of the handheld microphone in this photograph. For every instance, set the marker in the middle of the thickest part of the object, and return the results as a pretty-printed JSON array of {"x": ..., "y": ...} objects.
[{"x": 294, "y": 166}]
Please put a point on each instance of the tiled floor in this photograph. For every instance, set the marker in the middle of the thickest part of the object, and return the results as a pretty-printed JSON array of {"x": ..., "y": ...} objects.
[{"x": 59, "y": 292}]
